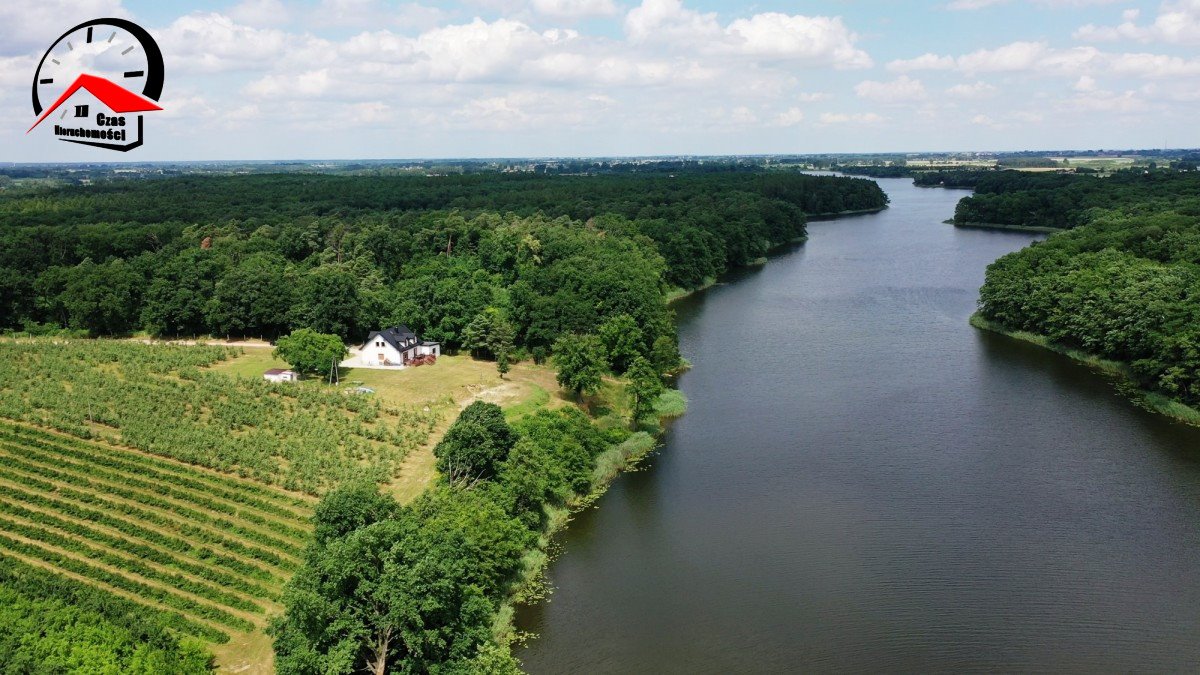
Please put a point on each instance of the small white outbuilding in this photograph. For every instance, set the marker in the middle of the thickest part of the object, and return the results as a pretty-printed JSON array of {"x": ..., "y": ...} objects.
[{"x": 280, "y": 375}]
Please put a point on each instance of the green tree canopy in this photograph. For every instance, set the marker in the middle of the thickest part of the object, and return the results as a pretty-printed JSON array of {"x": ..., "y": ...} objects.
[
  {"x": 581, "y": 363},
  {"x": 477, "y": 442},
  {"x": 308, "y": 351},
  {"x": 349, "y": 507},
  {"x": 253, "y": 298},
  {"x": 645, "y": 386},
  {"x": 104, "y": 298},
  {"x": 328, "y": 301},
  {"x": 623, "y": 341}
]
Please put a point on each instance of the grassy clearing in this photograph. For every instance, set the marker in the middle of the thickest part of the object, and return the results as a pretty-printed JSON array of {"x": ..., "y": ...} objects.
[
  {"x": 438, "y": 391},
  {"x": 1149, "y": 400}
]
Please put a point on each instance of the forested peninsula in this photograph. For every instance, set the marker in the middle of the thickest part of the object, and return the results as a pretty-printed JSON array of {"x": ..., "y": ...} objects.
[
  {"x": 1121, "y": 284},
  {"x": 157, "y": 507}
]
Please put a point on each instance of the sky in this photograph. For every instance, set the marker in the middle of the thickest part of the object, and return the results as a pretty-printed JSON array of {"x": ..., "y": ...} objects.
[{"x": 386, "y": 79}]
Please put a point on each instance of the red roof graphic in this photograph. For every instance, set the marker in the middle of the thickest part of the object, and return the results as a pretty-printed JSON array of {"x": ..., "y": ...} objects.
[{"x": 116, "y": 97}]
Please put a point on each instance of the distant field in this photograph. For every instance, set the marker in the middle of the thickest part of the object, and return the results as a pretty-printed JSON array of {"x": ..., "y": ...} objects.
[{"x": 1097, "y": 162}]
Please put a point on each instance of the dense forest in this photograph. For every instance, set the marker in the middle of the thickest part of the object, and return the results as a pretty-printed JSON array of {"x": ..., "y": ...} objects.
[
  {"x": 1061, "y": 200},
  {"x": 262, "y": 255},
  {"x": 1122, "y": 284}
]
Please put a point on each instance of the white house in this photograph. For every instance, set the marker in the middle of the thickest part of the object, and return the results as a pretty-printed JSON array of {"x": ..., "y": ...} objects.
[
  {"x": 395, "y": 346},
  {"x": 280, "y": 375}
]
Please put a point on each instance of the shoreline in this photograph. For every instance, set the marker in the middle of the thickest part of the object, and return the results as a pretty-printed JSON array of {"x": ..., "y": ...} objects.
[
  {"x": 810, "y": 217},
  {"x": 531, "y": 586},
  {"x": 1127, "y": 385},
  {"x": 677, "y": 294},
  {"x": 1001, "y": 226}
]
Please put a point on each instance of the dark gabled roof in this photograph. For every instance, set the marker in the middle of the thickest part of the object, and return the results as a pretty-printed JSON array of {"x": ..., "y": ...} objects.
[
  {"x": 395, "y": 336},
  {"x": 276, "y": 371}
]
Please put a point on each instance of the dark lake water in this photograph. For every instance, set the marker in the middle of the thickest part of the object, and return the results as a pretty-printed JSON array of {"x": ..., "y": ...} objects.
[{"x": 863, "y": 482}]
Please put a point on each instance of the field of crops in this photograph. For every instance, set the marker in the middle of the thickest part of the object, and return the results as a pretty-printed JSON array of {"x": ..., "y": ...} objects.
[
  {"x": 301, "y": 438},
  {"x": 208, "y": 553},
  {"x": 168, "y": 495}
]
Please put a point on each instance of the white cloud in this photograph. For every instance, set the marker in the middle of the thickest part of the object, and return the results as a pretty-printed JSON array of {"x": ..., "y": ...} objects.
[
  {"x": 902, "y": 89},
  {"x": 743, "y": 115},
  {"x": 976, "y": 90},
  {"x": 811, "y": 97},
  {"x": 669, "y": 21},
  {"x": 215, "y": 43},
  {"x": 851, "y": 118},
  {"x": 308, "y": 84},
  {"x": 1177, "y": 22},
  {"x": 479, "y": 49},
  {"x": 1039, "y": 57},
  {"x": 1126, "y": 102},
  {"x": 816, "y": 40},
  {"x": 17, "y": 71},
  {"x": 1053, "y": 4},
  {"x": 789, "y": 118},
  {"x": 260, "y": 13},
  {"x": 972, "y": 4},
  {"x": 573, "y": 10},
  {"x": 987, "y": 121},
  {"x": 922, "y": 62}
]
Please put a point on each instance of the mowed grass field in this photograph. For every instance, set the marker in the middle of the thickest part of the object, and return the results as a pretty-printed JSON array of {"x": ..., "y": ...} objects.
[
  {"x": 443, "y": 389},
  {"x": 207, "y": 551}
]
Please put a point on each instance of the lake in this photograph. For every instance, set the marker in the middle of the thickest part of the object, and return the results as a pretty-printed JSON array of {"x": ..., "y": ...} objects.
[{"x": 863, "y": 482}]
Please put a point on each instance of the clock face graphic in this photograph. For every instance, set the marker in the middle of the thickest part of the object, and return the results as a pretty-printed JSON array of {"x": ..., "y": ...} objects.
[{"x": 115, "y": 49}]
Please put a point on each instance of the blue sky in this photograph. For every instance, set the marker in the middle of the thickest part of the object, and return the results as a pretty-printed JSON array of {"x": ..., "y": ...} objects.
[{"x": 270, "y": 79}]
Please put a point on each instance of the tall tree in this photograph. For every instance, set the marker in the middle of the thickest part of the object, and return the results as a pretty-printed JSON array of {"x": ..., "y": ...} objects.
[
  {"x": 105, "y": 299},
  {"x": 622, "y": 341},
  {"x": 308, "y": 351},
  {"x": 474, "y": 446},
  {"x": 645, "y": 386},
  {"x": 253, "y": 298},
  {"x": 328, "y": 301},
  {"x": 177, "y": 298},
  {"x": 581, "y": 362}
]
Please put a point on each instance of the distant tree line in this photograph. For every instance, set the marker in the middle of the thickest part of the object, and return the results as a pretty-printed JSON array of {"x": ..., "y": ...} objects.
[
  {"x": 875, "y": 171},
  {"x": 1061, "y": 200},
  {"x": 265, "y": 255},
  {"x": 952, "y": 178}
]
